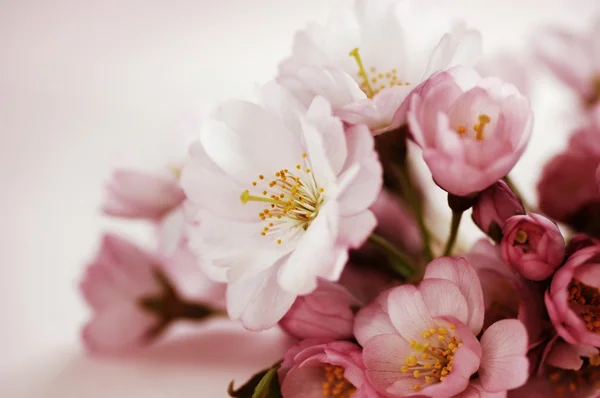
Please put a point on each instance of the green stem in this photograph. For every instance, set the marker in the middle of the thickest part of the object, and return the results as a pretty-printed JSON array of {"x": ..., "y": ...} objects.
[
  {"x": 400, "y": 261},
  {"x": 454, "y": 225},
  {"x": 517, "y": 192},
  {"x": 417, "y": 207}
]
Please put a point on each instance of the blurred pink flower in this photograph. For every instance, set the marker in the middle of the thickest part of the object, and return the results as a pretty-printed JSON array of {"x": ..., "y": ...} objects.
[
  {"x": 568, "y": 188},
  {"x": 396, "y": 223},
  {"x": 114, "y": 284},
  {"x": 305, "y": 186},
  {"x": 494, "y": 206},
  {"x": 506, "y": 294},
  {"x": 326, "y": 313},
  {"x": 132, "y": 298},
  {"x": 573, "y": 300},
  {"x": 472, "y": 130},
  {"x": 573, "y": 58},
  {"x": 579, "y": 242},
  {"x": 424, "y": 343},
  {"x": 315, "y": 368},
  {"x": 356, "y": 63},
  {"x": 137, "y": 194},
  {"x": 565, "y": 369},
  {"x": 532, "y": 246}
]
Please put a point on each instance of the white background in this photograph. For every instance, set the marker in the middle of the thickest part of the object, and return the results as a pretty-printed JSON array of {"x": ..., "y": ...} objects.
[{"x": 86, "y": 85}]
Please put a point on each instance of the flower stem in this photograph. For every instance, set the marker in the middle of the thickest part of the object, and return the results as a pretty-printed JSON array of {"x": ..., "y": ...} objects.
[
  {"x": 517, "y": 193},
  {"x": 416, "y": 205},
  {"x": 454, "y": 225},
  {"x": 399, "y": 261}
]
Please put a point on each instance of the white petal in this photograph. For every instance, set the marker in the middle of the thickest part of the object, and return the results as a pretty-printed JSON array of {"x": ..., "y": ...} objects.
[
  {"x": 314, "y": 255},
  {"x": 259, "y": 302}
]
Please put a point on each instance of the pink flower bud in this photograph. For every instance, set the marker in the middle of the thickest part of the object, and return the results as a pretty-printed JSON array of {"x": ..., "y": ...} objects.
[
  {"x": 328, "y": 313},
  {"x": 532, "y": 246},
  {"x": 494, "y": 206}
]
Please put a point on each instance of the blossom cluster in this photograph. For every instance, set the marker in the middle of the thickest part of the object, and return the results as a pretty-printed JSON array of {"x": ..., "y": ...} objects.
[{"x": 301, "y": 211}]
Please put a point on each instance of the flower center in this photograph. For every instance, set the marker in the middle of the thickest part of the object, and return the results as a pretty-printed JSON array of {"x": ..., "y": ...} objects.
[
  {"x": 373, "y": 81},
  {"x": 580, "y": 380},
  {"x": 433, "y": 357},
  {"x": 585, "y": 300},
  {"x": 478, "y": 128},
  {"x": 292, "y": 200},
  {"x": 595, "y": 96},
  {"x": 335, "y": 384}
]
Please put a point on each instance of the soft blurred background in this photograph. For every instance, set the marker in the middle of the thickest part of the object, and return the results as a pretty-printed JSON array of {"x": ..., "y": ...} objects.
[{"x": 88, "y": 85}]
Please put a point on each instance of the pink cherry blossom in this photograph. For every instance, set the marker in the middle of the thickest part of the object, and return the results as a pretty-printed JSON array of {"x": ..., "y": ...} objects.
[
  {"x": 124, "y": 284},
  {"x": 425, "y": 342},
  {"x": 507, "y": 294},
  {"x": 573, "y": 58},
  {"x": 568, "y": 190},
  {"x": 326, "y": 313},
  {"x": 316, "y": 368},
  {"x": 472, "y": 130},
  {"x": 532, "y": 246},
  {"x": 137, "y": 194},
  {"x": 115, "y": 282},
  {"x": 573, "y": 300},
  {"x": 355, "y": 60},
  {"x": 494, "y": 206},
  {"x": 284, "y": 193},
  {"x": 566, "y": 369}
]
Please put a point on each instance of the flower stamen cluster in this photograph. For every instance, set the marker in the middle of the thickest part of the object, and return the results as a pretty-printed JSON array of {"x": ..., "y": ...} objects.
[
  {"x": 294, "y": 199},
  {"x": 372, "y": 84},
  {"x": 335, "y": 384},
  {"x": 434, "y": 356},
  {"x": 587, "y": 300}
]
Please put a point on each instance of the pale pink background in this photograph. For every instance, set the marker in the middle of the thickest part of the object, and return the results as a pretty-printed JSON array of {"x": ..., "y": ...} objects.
[{"x": 87, "y": 85}]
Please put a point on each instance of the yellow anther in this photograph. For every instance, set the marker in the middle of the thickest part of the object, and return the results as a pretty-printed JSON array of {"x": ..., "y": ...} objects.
[
  {"x": 278, "y": 241},
  {"x": 417, "y": 387},
  {"x": 425, "y": 356},
  {"x": 521, "y": 237},
  {"x": 308, "y": 170},
  {"x": 254, "y": 183},
  {"x": 298, "y": 166},
  {"x": 452, "y": 326},
  {"x": 416, "y": 374},
  {"x": 442, "y": 331},
  {"x": 404, "y": 369},
  {"x": 304, "y": 155},
  {"x": 461, "y": 130},
  {"x": 262, "y": 177}
]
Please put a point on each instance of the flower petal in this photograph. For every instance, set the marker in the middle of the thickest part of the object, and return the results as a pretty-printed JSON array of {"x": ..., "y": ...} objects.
[{"x": 504, "y": 363}]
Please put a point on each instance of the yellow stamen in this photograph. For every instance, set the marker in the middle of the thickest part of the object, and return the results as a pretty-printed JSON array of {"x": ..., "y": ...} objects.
[
  {"x": 363, "y": 73},
  {"x": 480, "y": 127},
  {"x": 521, "y": 237},
  {"x": 245, "y": 197}
]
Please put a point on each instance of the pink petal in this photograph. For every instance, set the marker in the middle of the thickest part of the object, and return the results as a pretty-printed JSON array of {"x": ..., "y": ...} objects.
[
  {"x": 465, "y": 277},
  {"x": 118, "y": 328},
  {"x": 136, "y": 194},
  {"x": 373, "y": 320},
  {"x": 384, "y": 355},
  {"x": 409, "y": 313},
  {"x": 443, "y": 298},
  {"x": 504, "y": 363},
  {"x": 304, "y": 382}
]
